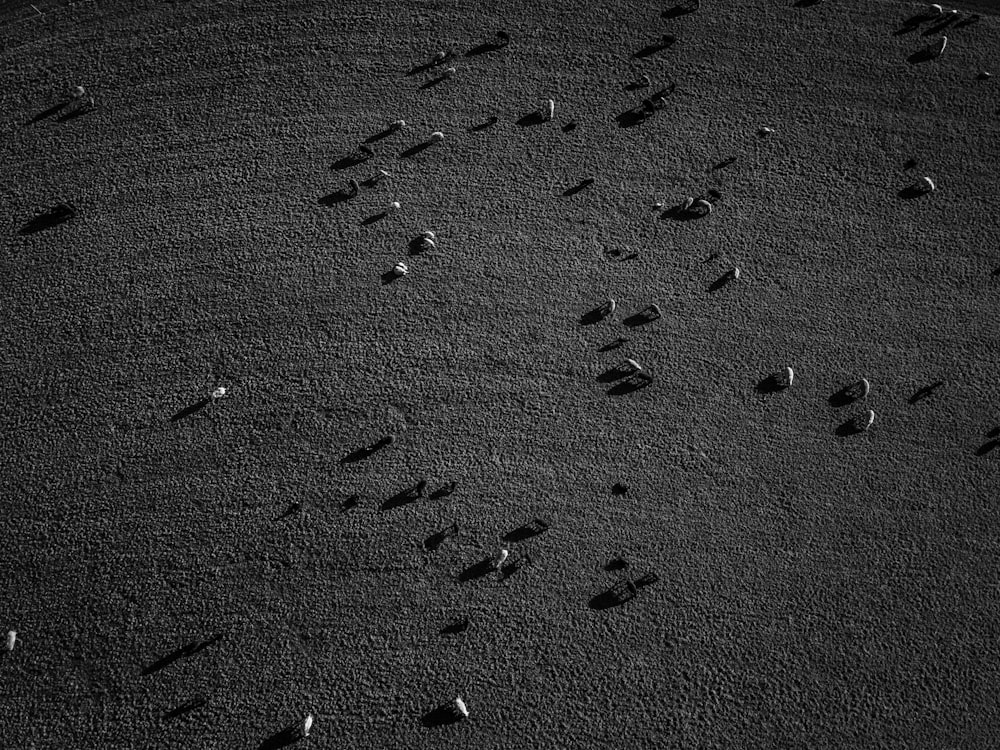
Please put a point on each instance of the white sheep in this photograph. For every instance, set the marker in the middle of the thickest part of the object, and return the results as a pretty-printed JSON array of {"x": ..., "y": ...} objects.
[
  {"x": 428, "y": 235},
  {"x": 448, "y": 73},
  {"x": 766, "y": 131},
  {"x": 734, "y": 273},
  {"x": 926, "y": 184},
  {"x": 548, "y": 110},
  {"x": 936, "y": 9},
  {"x": 398, "y": 125},
  {"x": 867, "y": 420},
  {"x": 864, "y": 388},
  {"x": 461, "y": 708},
  {"x": 400, "y": 269},
  {"x": 394, "y": 206},
  {"x": 702, "y": 205},
  {"x": 633, "y": 366},
  {"x": 11, "y": 639},
  {"x": 307, "y": 725},
  {"x": 939, "y": 47},
  {"x": 501, "y": 558},
  {"x": 218, "y": 393},
  {"x": 610, "y": 306},
  {"x": 437, "y": 136},
  {"x": 787, "y": 377}
]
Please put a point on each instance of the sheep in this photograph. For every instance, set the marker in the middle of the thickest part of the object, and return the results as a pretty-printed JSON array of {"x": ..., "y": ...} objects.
[
  {"x": 448, "y": 73},
  {"x": 938, "y": 48},
  {"x": 786, "y": 377},
  {"x": 400, "y": 269},
  {"x": 376, "y": 178},
  {"x": 926, "y": 184},
  {"x": 437, "y": 136},
  {"x": 501, "y": 558},
  {"x": 307, "y": 725},
  {"x": 866, "y": 421},
  {"x": 702, "y": 206},
  {"x": 427, "y": 245},
  {"x": 11, "y": 639},
  {"x": 77, "y": 92},
  {"x": 863, "y": 388},
  {"x": 218, "y": 393},
  {"x": 428, "y": 235},
  {"x": 609, "y": 307},
  {"x": 460, "y": 708},
  {"x": 394, "y": 206},
  {"x": 765, "y": 131},
  {"x": 631, "y": 366},
  {"x": 935, "y": 10},
  {"x": 686, "y": 204},
  {"x": 734, "y": 273},
  {"x": 397, "y": 125},
  {"x": 548, "y": 110},
  {"x": 352, "y": 188}
]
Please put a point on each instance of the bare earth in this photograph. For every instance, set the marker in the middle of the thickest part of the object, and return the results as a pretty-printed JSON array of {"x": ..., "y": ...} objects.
[{"x": 199, "y": 577}]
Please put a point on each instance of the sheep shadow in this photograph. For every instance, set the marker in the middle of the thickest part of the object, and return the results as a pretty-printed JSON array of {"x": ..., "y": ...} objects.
[
  {"x": 349, "y": 503},
  {"x": 631, "y": 384},
  {"x": 986, "y": 447},
  {"x": 974, "y": 18},
  {"x": 420, "y": 68},
  {"x": 489, "y": 123},
  {"x": 352, "y": 160},
  {"x": 456, "y": 626},
  {"x": 380, "y": 135},
  {"x": 53, "y": 110},
  {"x": 435, "y": 540},
  {"x": 405, "y": 497},
  {"x": 414, "y": 150},
  {"x": 443, "y": 491},
  {"x": 770, "y": 385},
  {"x": 187, "y": 411},
  {"x": 922, "y": 56},
  {"x": 431, "y": 82},
  {"x": 364, "y": 452},
  {"x": 616, "y": 344},
  {"x": 374, "y": 218},
  {"x": 184, "y": 708},
  {"x": 641, "y": 318},
  {"x": 845, "y": 396},
  {"x": 293, "y": 508},
  {"x": 937, "y": 28},
  {"x": 805, "y": 3},
  {"x": 848, "y": 428},
  {"x": 926, "y": 392},
  {"x": 526, "y": 531},
  {"x": 485, "y": 48},
  {"x": 532, "y": 118},
  {"x": 720, "y": 282},
  {"x": 632, "y": 117},
  {"x": 666, "y": 42},
  {"x": 911, "y": 192},
  {"x": 50, "y": 218},
  {"x": 616, "y": 564},
  {"x": 341, "y": 196},
  {"x": 478, "y": 570},
  {"x": 582, "y": 185},
  {"x": 596, "y": 315},
  {"x": 614, "y": 374},
  {"x": 443, "y": 715},
  {"x": 189, "y": 649},
  {"x": 79, "y": 111},
  {"x": 569, "y": 127},
  {"x": 681, "y": 9},
  {"x": 621, "y": 592},
  {"x": 724, "y": 163},
  {"x": 389, "y": 277},
  {"x": 283, "y": 738}
]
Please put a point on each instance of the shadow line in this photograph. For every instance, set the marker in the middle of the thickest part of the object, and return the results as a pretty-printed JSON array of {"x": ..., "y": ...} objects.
[{"x": 192, "y": 409}]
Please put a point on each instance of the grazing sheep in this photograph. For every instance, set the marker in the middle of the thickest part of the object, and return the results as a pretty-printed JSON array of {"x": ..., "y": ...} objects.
[
  {"x": 394, "y": 206},
  {"x": 448, "y": 73},
  {"x": 400, "y": 269},
  {"x": 938, "y": 48},
  {"x": 11, "y": 639},
  {"x": 766, "y": 131},
  {"x": 428, "y": 235},
  {"x": 427, "y": 245},
  {"x": 437, "y": 136},
  {"x": 734, "y": 273},
  {"x": 460, "y": 708},
  {"x": 397, "y": 125},
  {"x": 439, "y": 58},
  {"x": 686, "y": 204},
  {"x": 926, "y": 184},
  {"x": 786, "y": 377},
  {"x": 548, "y": 110},
  {"x": 868, "y": 419},
  {"x": 501, "y": 558},
  {"x": 863, "y": 388},
  {"x": 218, "y": 393},
  {"x": 702, "y": 206},
  {"x": 307, "y": 725},
  {"x": 77, "y": 92},
  {"x": 631, "y": 366}
]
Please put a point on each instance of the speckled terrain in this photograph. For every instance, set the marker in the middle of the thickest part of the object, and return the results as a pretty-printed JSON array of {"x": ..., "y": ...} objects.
[{"x": 204, "y": 580}]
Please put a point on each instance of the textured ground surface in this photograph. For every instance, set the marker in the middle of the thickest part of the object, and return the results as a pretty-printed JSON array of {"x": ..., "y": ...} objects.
[{"x": 814, "y": 589}]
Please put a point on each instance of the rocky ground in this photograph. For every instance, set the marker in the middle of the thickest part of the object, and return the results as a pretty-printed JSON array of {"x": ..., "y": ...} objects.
[{"x": 188, "y": 573}]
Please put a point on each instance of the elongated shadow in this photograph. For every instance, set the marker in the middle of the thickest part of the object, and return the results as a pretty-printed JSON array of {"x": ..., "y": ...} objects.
[
  {"x": 527, "y": 531},
  {"x": 582, "y": 185},
  {"x": 910, "y": 192},
  {"x": 616, "y": 344},
  {"x": 632, "y": 117},
  {"x": 456, "y": 626},
  {"x": 53, "y": 110},
  {"x": 612, "y": 374},
  {"x": 405, "y": 497},
  {"x": 380, "y": 135},
  {"x": 724, "y": 163},
  {"x": 805, "y": 3},
  {"x": 681, "y": 9},
  {"x": 374, "y": 218},
  {"x": 189, "y": 649},
  {"x": 974, "y": 18},
  {"x": 389, "y": 277},
  {"x": 532, "y": 118},
  {"x": 52, "y": 217},
  {"x": 414, "y": 150},
  {"x": 921, "y": 56},
  {"x": 633, "y": 383},
  {"x": 987, "y": 447},
  {"x": 848, "y": 428},
  {"x": 485, "y": 48},
  {"x": 352, "y": 160},
  {"x": 651, "y": 49},
  {"x": 362, "y": 453},
  {"x": 489, "y": 123},
  {"x": 78, "y": 111},
  {"x": 444, "y": 491},
  {"x": 926, "y": 392},
  {"x": 721, "y": 282},
  {"x": 184, "y": 708},
  {"x": 641, "y": 318},
  {"x": 284, "y": 738},
  {"x": 617, "y": 595},
  {"x": 438, "y": 538},
  {"x": 350, "y": 503},
  {"x": 192, "y": 409},
  {"x": 596, "y": 315},
  {"x": 938, "y": 27},
  {"x": 770, "y": 385},
  {"x": 441, "y": 716},
  {"x": 433, "y": 81},
  {"x": 478, "y": 570},
  {"x": 341, "y": 196},
  {"x": 845, "y": 396}
]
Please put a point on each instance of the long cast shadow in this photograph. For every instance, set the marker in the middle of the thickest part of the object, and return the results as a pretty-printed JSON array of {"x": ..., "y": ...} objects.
[
  {"x": 848, "y": 428},
  {"x": 532, "y": 118},
  {"x": 926, "y": 392},
  {"x": 582, "y": 185},
  {"x": 441, "y": 716},
  {"x": 187, "y": 411},
  {"x": 184, "y": 708},
  {"x": 987, "y": 447},
  {"x": 456, "y": 626},
  {"x": 52, "y": 217},
  {"x": 477, "y": 570},
  {"x": 435, "y": 540},
  {"x": 770, "y": 385},
  {"x": 528, "y": 530},
  {"x": 362, "y": 453},
  {"x": 633, "y": 383},
  {"x": 921, "y": 56},
  {"x": 405, "y": 497},
  {"x": 414, "y": 150},
  {"x": 910, "y": 192},
  {"x": 843, "y": 397},
  {"x": 284, "y": 738},
  {"x": 189, "y": 649},
  {"x": 666, "y": 42},
  {"x": 53, "y": 110}
]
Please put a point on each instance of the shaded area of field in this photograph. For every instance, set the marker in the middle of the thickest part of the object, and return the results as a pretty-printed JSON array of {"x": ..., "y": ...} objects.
[{"x": 598, "y": 524}]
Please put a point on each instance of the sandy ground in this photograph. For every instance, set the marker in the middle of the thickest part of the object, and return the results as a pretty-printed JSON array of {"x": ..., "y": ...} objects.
[{"x": 206, "y": 581}]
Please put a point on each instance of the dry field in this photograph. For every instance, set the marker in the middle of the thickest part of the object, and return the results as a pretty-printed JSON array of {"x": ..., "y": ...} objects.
[{"x": 185, "y": 577}]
